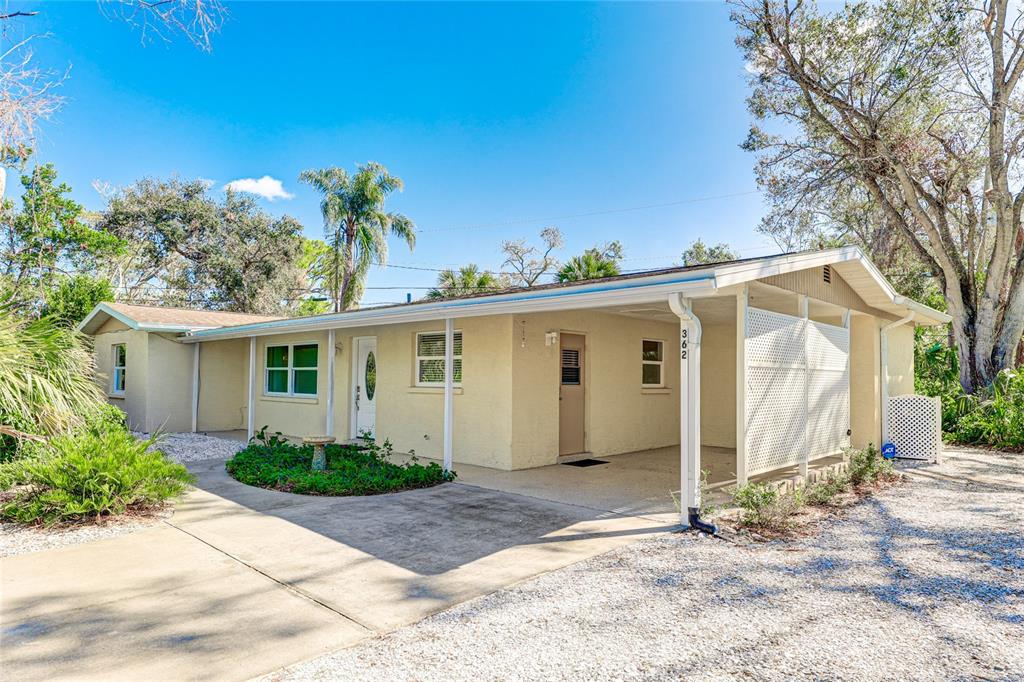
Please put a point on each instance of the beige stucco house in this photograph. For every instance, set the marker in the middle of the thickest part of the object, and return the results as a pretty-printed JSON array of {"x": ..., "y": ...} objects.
[{"x": 772, "y": 361}]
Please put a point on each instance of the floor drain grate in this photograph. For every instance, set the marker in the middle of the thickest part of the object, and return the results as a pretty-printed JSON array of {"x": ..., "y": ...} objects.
[{"x": 585, "y": 463}]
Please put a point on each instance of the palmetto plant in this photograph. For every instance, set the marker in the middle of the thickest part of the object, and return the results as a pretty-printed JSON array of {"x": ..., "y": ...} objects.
[
  {"x": 593, "y": 263},
  {"x": 467, "y": 280},
  {"x": 47, "y": 379},
  {"x": 356, "y": 225}
]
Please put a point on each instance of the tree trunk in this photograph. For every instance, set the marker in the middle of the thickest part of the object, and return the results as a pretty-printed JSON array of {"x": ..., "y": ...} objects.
[{"x": 350, "y": 265}]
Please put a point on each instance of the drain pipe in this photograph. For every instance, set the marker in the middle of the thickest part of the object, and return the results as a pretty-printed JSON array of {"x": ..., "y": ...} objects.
[
  {"x": 689, "y": 412},
  {"x": 884, "y": 362}
]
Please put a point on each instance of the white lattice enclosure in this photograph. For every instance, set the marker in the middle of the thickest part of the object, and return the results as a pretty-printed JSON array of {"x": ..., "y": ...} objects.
[
  {"x": 797, "y": 390},
  {"x": 915, "y": 426}
]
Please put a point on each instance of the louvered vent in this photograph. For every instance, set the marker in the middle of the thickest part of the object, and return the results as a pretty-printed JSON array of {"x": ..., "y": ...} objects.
[
  {"x": 826, "y": 274},
  {"x": 570, "y": 366}
]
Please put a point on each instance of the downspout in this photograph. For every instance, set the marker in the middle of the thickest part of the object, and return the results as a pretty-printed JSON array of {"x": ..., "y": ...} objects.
[
  {"x": 884, "y": 370},
  {"x": 689, "y": 411}
]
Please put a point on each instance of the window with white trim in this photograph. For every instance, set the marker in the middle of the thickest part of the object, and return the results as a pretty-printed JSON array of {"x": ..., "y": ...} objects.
[
  {"x": 291, "y": 370},
  {"x": 118, "y": 362},
  {"x": 652, "y": 364},
  {"x": 430, "y": 359}
]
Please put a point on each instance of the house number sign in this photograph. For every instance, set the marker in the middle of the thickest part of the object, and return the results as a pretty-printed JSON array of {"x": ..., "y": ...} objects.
[{"x": 683, "y": 334}]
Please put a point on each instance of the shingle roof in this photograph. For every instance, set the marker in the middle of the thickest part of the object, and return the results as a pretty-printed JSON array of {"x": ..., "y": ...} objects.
[{"x": 180, "y": 319}]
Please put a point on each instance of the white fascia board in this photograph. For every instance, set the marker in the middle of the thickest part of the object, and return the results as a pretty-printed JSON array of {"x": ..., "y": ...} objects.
[
  {"x": 107, "y": 310},
  {"x": 921, "y": 309},
  {"x": 740, "y": 273},
  {"x": 638, "y": 290}
]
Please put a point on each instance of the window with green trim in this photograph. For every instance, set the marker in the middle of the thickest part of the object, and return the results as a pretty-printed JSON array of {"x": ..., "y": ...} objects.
[{"x": 291, "y": 369}]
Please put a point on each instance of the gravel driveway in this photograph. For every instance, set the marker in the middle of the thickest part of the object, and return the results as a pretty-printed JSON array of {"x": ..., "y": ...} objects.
[{"x": 922, "y": 582}]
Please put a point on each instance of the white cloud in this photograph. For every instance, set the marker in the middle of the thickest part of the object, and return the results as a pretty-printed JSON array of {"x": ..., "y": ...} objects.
[{"x": 267, "y": 187}]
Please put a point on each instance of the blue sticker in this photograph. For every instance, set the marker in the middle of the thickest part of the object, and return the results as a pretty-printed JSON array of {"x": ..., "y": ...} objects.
[{"x": 889, "y": 451}]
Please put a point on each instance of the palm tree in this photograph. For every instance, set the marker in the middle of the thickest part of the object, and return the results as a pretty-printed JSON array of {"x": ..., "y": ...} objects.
[
  {"x": 468, "y": 280},
  {"x": 592, "y": 264},
  {"x": 47, "y": 380},
  {"x": 356, "y": 225}
]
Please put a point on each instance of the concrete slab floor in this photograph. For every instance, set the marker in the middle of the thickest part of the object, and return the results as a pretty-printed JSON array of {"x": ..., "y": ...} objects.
[{"x": 242, "y": 581}]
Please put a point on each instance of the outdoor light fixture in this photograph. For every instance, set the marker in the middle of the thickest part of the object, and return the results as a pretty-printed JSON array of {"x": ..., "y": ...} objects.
[{"x": 550, "y": 338}]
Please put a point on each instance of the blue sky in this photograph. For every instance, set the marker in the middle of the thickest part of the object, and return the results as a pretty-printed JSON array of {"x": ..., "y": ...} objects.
[{"x": 500, "y": 118}]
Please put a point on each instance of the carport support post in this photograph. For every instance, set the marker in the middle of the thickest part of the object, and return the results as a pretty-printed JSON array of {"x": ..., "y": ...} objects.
[
  {"x": 251, "y": 412},
  {"x": 742, "y": 301},
  {"x": 449, "y": 388},
  {"x": 329, "y": 426},
  {"x": 195, "y": 387},
  {"x": 805, "y": 458},
  {"x": 689, "y": 406}
]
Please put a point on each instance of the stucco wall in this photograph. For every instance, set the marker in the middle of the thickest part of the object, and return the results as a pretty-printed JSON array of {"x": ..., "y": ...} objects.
[
  {"x": 901, "y": 360},
  {"x": 865, "y": 416},
  {"x": 295, "y": 417},
  {"x": 169, "y": 395},
  {"x": 620, "y": 415},
  {"x": 223, "y": 385},
  {"x": 133, "y": 402},
  {"x": 718, "y": 386}
]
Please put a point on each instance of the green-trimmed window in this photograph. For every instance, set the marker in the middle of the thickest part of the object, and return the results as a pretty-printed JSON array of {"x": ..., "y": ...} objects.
[
  {"x": 291, "y": 369},
  {"x": 430, "y": 359},
  {"x": 119, "y": 361}
]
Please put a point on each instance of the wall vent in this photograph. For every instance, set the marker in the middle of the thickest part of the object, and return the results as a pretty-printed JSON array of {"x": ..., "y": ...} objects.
[{"x": 826, "y": 274}]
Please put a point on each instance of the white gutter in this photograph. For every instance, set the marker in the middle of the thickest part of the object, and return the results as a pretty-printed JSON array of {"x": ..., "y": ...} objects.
[
  {"x": 599, "y": 295},
  {"x": 884, "y": 369},
  {"x": 690, "y": 332}
]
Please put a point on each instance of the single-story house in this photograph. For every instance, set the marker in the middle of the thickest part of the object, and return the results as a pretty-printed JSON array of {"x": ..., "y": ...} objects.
[{"x": 774, "y": 361}]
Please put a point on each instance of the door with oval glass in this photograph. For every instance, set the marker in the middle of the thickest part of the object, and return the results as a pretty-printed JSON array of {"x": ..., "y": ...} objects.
[{"x": 365, "y": 386}]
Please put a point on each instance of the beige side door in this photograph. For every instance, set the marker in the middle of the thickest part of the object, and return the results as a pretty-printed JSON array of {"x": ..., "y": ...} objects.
[{"x": 571, "y": 407}]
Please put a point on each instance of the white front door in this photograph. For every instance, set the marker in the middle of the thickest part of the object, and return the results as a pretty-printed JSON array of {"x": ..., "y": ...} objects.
[{"x": 365, "y": 398}]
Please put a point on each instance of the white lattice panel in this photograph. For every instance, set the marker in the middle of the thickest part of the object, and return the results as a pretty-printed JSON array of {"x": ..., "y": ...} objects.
[
  {"x": 828, "y": 412},
  {"x": 915, "y": 426},
  {"x": 798, "y": 390},
  {"x": 774, "y": 339},
  {"x": 775, "y": 417},
  {"x": 828, "y": 347}
]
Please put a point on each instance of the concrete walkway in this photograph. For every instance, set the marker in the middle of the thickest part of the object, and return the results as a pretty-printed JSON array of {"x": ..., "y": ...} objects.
[{"x": 242, "y": 581}]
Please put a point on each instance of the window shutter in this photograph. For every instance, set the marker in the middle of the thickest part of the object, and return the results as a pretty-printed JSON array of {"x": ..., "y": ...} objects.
[{"x": 570, "y": 366}]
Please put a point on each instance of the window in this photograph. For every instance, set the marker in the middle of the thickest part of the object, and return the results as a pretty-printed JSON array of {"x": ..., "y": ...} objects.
[
  {"x": 291, "y": 370},
  {"x": 430, "y": 359},
  {"x": 120, "y": 357},
  {"x": 570, "y": 367},
  {"x": 653, "y": 358}
]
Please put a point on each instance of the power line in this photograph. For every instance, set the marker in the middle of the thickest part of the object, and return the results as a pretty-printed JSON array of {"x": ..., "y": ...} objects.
[{"x": 590, "y": 214}]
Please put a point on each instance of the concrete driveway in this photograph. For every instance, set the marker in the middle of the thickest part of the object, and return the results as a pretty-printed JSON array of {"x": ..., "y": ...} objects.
[{"x": 242, "y": 581}]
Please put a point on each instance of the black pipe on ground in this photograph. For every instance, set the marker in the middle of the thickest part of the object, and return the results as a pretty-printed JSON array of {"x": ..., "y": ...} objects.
[{"x": 699, "y": 524}]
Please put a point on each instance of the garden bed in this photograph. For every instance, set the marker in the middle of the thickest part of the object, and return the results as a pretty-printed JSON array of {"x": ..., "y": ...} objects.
[{"x": 364, "y": 469}]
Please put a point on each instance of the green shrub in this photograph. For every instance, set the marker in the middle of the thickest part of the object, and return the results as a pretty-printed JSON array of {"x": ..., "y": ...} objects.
[
  {"x": 822, "y": 492},
  {"x": 98, "y": 471},
  {"x": 764, "y": 506},
  {"x": 867, "y": 467},
  {"x": 351, "y": 470}
]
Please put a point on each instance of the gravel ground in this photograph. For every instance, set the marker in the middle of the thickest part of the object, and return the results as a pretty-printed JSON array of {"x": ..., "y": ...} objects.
[
  {"x": 924, "y": 581},
  {"x": 16, "y": 539},
  {"x": 194, "y": 447},
  {"x": 181, "y": 447}
]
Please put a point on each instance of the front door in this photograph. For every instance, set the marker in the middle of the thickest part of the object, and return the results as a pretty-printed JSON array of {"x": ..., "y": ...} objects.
[
  {"x": 366, "y": 386},
  {"x": 571, "y": 395}
]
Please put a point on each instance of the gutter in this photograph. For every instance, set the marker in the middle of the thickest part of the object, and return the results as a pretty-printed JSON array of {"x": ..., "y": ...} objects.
[
  {"x": 689, "y": 412},
  {"x": 624, "y": 292},
  {"x": 884, "y": 369}
]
